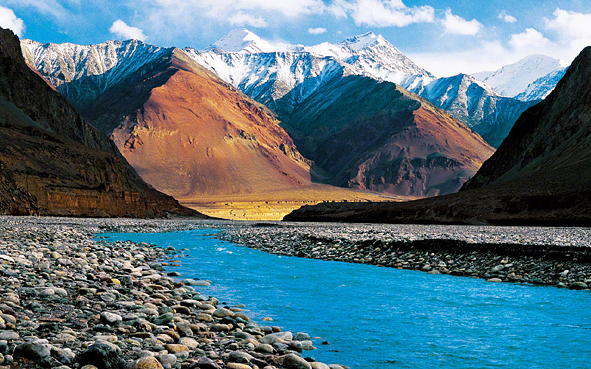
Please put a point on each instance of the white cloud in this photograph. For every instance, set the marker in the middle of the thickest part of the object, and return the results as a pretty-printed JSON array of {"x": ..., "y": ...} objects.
[
  {"x": 217, "y": 8},
  {"x": 51, "y": 7},
  {"x": 121, "y": 29},
  {"x": 9, "y": 20},
  {"x": 382, "y": 13},
  {"x": 570, "y": 24},
  {"x": 506, "y": 17},
  {"x": 241, "y": 19},
  {"x": 459, "y": 26},
  {"x": 316, "y": 31},
  {"x": 530, "y": 41}
]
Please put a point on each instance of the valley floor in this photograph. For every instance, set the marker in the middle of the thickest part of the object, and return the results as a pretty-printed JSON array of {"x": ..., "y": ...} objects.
[
  {"x": 275, "y": 205},
  {"x": 68, "y": 299}
]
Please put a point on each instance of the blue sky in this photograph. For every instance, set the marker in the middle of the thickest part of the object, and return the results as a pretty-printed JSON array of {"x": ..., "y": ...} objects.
[{"x": 444, "y": 36}]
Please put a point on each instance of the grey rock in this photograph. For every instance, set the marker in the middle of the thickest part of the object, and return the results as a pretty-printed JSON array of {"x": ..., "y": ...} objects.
[
  {"x": 292, "y": 361},
  {"x": 103, "y": 356},
  {"x": 32, "y": 351}
]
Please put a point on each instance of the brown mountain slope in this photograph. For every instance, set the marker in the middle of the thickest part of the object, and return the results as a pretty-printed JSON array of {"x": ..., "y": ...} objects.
[
  {"x": 541, "y": 173},
  {"x": 191, "y": 135},
  {"x": 54, "y": 163},
  {"x": 377, "y": 136}
]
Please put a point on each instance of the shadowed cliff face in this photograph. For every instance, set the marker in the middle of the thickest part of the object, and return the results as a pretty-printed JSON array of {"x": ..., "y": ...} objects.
[
  {"x": 541, "y": 173},
  {"x": 189, "y": 134},
  {"x": 52, "y": 162},
  {"x": 551, "y": 142},
  {"x": 377, "y": 136}
]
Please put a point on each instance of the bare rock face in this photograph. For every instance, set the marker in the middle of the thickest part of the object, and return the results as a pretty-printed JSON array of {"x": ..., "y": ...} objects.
[
  {"x": 377, "y": 136},
  {"x": 190, "y": 134},
  {"x": 540, "y": 175},
  {"x": 54, "y": 163}
]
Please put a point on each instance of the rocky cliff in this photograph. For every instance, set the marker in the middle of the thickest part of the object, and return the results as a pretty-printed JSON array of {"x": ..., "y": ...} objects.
[
  {"x": 541, "y": 173},
  {"x": 54, "y": 163},
  {"x": 190, "y": 134},
  {"x": 377, "y": 136}
]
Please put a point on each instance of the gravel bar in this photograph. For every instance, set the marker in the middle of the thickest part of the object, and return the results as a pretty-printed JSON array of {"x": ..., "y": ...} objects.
[
  {"x": 538, "y": 255},
  {"x": 68, "y": 300}
]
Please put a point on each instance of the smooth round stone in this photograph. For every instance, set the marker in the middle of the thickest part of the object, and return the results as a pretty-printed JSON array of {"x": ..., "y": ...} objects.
[
  {"x": 434, "y": 271},
  {"x": 237, "y": 366},
  {"x": 32, "y": 351},
  {"x": 240, "y": 357},
  {"x": 191, "y": 343},
  {"x": 164, "y": 318},
  {"x": 190, "y": 303},
  {"x": 110, "y": 318},
  {"x": 317, "y": 365},
  {"x": 494, "y": 280},
  {"x": 206, "y": 363},
  {"x": 174, "y": 348},
  {"x": 147, "y": 362},
  {"x": 9, "y": 335},
  {"x": 223, "y": 313},
  {"x": 301, "y": 336},
  {"x": 265, "y": 349},
  {"x": 578, "y": 286},
  {"x": 167, "y": 359},
  {"x": 292, "y": 361}
]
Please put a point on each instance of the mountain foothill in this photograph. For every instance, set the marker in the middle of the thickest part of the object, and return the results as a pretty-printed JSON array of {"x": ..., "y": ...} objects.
[{"x": 249, "y": 120}]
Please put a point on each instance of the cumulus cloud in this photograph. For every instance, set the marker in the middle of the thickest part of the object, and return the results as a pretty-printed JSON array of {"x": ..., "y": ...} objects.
[
  {"x": 531, "y": 39},
  {"x": 459, "y": 26},
  {"x": 121, "y": 29},
  {"x": 382, "y": 13},
  {"x": 9, "y": 20},
  {"x": 571, "y": 30},
  {"x": 316, "y": 31},
  {"x": 506, "y": 17},
  {"x": 241, "y": 19}
]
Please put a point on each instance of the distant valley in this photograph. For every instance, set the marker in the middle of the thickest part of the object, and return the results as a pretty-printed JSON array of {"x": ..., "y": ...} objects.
[{"x": 247, "y": 118}]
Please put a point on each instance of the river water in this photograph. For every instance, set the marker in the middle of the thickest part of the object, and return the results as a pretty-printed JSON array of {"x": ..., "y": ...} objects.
[{"x": 377, "y": 317}]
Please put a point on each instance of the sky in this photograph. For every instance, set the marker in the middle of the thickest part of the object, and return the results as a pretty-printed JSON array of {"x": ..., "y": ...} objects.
[{"x": 443, "y": 36}]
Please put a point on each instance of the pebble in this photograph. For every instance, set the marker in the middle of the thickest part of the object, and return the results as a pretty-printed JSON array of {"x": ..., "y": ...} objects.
[
  {"x": 534, "y": 255},
  {"x": 68, "y": 300}
]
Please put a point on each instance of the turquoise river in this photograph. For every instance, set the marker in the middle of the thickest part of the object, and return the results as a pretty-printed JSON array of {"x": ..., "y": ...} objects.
[{"x": 387, "y": 318}]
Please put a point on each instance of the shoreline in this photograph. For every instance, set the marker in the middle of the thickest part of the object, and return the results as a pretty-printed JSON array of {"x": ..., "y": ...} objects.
[
  {"x": 70, "y": 301},
  {"x": 566, "y": 266}
]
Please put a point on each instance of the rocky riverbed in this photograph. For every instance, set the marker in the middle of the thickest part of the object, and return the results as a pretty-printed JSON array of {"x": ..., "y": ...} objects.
[
  {"x": 70, "y": 301},
  {"x": 544, "y": 256}
]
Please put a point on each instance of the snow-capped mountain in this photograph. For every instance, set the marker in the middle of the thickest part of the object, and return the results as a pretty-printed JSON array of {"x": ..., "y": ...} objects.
[
  {"x": 267, "y": 72},
  {"x": 270, "y": 77},
  {"x": 475, "y": 104},
  {"x": 541, "y": 88},
  {"x": 83, "y": 72},
  {"x": 514, "y": 80},
  {"x": 373, "y": 55},
  {"x": 243, "y": 41}
]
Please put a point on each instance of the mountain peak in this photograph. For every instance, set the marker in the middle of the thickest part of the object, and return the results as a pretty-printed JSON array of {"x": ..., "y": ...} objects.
[
  {"x": 241, "y": 40},
  {"x": 513, "y": 79},
  {"x": 362, "y": 41}
]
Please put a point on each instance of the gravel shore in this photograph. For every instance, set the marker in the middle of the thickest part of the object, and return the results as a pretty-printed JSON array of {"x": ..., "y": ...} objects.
[
  {"x": 538, "y": 255},
  {"x": 70, "y": 301}
]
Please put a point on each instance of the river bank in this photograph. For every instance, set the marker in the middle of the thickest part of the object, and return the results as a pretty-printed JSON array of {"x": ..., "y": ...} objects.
[
  {"x": 543, "y": 256},
  {"x": 70, "y": 301}
]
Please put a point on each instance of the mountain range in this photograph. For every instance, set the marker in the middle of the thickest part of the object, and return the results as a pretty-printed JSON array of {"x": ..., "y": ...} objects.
[
  {"x": 190, "y": 129},
  {"x": 52, "y": 162},
  {"x": 268, "y": 72},
  {"x": 540, "y": 174}
]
